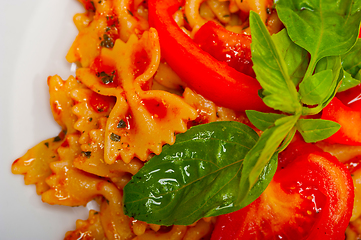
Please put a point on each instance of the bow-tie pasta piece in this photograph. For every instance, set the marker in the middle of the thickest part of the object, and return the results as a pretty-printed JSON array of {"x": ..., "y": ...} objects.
[
  {"x": 167, "y": 78},
  {"x": 70, "y": 186},
  {"x": 34, "y": 165},
  {"x": 206, "y": 109},
  {"x": 102, "y": 24},
  {"x": 142, "y": 120},
  {"x": 91, "y": 228},
  {"x": 61, "y": 102},
  {"x": 91, "y": 159},
  {"x": 89, "y": 108},
  {"x": 210, "y": 112},
  {"x": 66, "y": 182},
  {"x": 198, "y": 230},
  {"x": 113, "y": 219},
  {"x": 95, "y": 30},
  {"x": 132, "y": 16}
]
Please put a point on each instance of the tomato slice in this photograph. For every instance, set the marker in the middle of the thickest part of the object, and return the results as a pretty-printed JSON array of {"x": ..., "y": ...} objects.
[
  {"x": 213, "y": 79},
  {"x": 351, "y": 97},
  {"x": 226, "y": 46},
  {"x": 310, "y": 198},
  {"x": 348, "y": 118}
]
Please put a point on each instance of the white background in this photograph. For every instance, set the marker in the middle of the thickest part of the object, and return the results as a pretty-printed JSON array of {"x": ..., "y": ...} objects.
[{"x": 34, "y": 39}]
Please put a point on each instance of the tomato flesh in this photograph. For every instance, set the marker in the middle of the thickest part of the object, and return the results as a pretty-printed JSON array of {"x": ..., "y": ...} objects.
[
  {"x": 311, "y": 197},
  {"x": 211, "y": 78},
  {"x": 225, "y": 46},
  {"x": 100, "y": 103},
  {"x": 348, "y": 118},
  {"x": 351, "y": 97}
]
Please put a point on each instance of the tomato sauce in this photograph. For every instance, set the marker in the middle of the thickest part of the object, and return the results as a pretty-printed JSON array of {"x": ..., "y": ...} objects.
[
  {"x": 57, "y": 108},
  {"x": 65, "y": 143},
  {"x": 112, "y": 31},
  {"x": 141, "y": 62},
  {"x": 89, "y": 5},
  {"x": 100, "y": 103},
  {"x": 155, "y": 107},
  {"x": 104, "y": 68}
]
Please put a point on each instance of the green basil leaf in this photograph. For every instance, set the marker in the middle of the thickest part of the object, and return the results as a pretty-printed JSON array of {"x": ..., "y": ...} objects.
[
  {"x": 351, "y": 64},
  {"x": 322, "y": 27},
  {"x": 261, "y": 120},
  {"x": 349, "y": 82},
  {"x": 330, "y": 87},
  {"x": 263, "y": 180},
  {"x": 198, "y": 176},
  {"x": 351, "y": 61},
  {"x": 287, "y": 139},
  {"x": 296, "y": 58},
  {"x": 330, "y": 63},
  {"x": 316, "y": 88},
  {"x": 334, "y": 64},
  {"x": 259, "y": 156},
  {"x": 271, "y": 70},
  {"x": 313, "y": 130}
]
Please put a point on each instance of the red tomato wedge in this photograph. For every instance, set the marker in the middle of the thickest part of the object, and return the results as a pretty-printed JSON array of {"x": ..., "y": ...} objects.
[
  {"x": 348, "y": 118},
  {"x": 213, "y": 79},
  {"x": 226, "y": 46},
  {"x": 310, "y": 197},
  {"x": 351, "y": 97}
]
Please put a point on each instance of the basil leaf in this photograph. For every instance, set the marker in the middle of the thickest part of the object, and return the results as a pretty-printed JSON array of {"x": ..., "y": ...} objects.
[
  {"x": 313, "y": 130},
  {"x": 349, "y": 82},
  {"x": 316, "y": 88},
  {"x": 324, "y": 28},
  {"x": 264, "y": 179},
  {"x": 261, "y": 120},
  {"x": 330, "y": 86},
  {"x": 330, "y": 63},
  {"x": 351, "y": 63},
  {"x": 287, "y": 139},
  {"x": 259, "y": 156},
  {"x": 271, "y": 70},
  {"x": 296, "y": 58},
  {"x": 334, "y": 64},
  {"x": 198, "y": 176}
]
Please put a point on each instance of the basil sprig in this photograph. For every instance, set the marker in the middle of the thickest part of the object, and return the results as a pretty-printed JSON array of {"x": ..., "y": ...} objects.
[
  {"x": 218, "y": 168},
  {"x": 198, "y": 176},
  {"x": 322, "y": 27}
]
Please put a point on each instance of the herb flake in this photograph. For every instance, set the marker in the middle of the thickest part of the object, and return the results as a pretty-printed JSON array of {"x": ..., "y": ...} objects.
[
  {"x": 114, "y": 137},
  {"x": 121, "y": 124}
]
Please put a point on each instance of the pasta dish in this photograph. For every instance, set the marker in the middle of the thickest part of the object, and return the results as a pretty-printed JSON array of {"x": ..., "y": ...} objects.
[{"x": 207, "y": 119}]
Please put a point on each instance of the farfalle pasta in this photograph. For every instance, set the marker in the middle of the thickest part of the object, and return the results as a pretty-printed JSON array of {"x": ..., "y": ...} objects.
[{"x": 126, "y": 102}]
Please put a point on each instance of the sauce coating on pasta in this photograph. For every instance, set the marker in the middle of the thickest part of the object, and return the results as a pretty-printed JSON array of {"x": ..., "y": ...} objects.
[{"x": 127, "y": 103}]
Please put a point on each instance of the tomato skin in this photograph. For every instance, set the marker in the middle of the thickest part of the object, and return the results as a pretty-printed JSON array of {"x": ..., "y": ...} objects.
[
  {"x": 226, "y": 46},
  {"x": 318, "y": 207},
  {"x": 348, "y": 118},
  {"x": 100, "y": 103},
  {"x": 296, "y": 148},
  {"x": 351, "y": 97},
  {"x": 209, "y": 77}
]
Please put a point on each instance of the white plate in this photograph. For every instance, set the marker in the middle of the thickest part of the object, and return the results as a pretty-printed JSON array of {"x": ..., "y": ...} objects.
[{"x": 34, "y": 39}]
